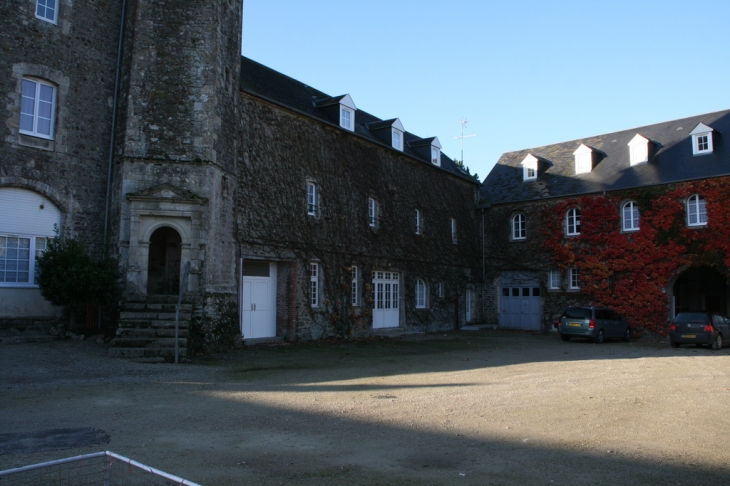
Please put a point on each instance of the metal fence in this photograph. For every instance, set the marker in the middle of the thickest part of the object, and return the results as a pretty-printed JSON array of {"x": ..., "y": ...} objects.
[{"x": 100, "y": 468}]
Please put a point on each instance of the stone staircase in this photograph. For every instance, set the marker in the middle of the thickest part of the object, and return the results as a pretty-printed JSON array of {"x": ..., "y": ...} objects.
[{"x": 147, "y": 329}]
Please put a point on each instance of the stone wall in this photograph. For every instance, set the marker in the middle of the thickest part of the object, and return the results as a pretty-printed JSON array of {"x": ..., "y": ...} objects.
[
  {"x": 78, "y": 56},
  {"x": 284, "y": 150}
]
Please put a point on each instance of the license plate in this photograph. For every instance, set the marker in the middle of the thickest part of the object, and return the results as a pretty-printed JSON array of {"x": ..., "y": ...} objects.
[
  {"x": 574, "y": 324},
  {"x": 689, "y": 336}
]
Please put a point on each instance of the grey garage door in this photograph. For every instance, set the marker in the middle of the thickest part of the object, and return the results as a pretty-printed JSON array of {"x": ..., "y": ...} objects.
[{"x": 520, "y": 308}]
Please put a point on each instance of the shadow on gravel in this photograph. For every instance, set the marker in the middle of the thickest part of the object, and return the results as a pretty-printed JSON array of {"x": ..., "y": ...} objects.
[{"x": 220, "y": 432}]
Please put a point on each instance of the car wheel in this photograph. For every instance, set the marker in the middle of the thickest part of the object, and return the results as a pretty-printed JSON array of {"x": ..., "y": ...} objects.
[
  {"x": 717, "y": 343},
  {"x": 627, "y": 335},
  {"x": 599, "y": 337},
  {"x": 674, "y": 345},
  {"x": 564, "y": 337}
]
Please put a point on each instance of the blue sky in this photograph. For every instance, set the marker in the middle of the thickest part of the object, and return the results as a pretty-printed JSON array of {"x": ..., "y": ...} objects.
[{"x": 524, "y": 73}]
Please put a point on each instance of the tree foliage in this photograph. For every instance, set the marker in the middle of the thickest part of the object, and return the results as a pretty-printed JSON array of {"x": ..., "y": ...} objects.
[{"x": 68, "y": 274}]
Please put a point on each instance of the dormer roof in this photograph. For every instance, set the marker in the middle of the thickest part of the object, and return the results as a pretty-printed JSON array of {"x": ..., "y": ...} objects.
[
  {"x": 344, "y": 100},
  {"x": 701, "y": 128},
  {"x": 433, "y": 141},
  {"x": 671, "y": 160},
  {"x": 278, "y": 89},
  {"x": 392, "y": 123}
]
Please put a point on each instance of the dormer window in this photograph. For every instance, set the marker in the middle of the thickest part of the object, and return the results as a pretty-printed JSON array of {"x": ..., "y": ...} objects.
[
  {"x": 435, "y": 155},
  {"x": 529, "y": 168},
  {"x": 584, "y": 159},
  {"x": 639, "y": 150},
  {"x": 701, "y": 140},
  {"x": 397, "y": 139},
  {"x": 347, "y": 118}
]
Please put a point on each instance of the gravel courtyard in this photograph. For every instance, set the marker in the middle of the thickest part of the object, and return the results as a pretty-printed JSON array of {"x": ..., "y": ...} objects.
[{"x": 465, "y": 408}]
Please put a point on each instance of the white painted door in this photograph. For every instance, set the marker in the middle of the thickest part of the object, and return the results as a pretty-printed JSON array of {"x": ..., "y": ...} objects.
[
  {"x": 386, "y": 298},
  {"x": 258, "y": 300}
]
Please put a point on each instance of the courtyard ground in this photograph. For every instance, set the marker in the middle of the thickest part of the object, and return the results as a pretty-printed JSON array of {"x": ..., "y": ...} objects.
[{"x": 469, "y": 408}]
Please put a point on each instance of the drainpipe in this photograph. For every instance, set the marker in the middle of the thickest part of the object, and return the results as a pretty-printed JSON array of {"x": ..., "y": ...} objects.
[
  {"x": 110, "y": 163},
  {"x": 115, "y": 102}
]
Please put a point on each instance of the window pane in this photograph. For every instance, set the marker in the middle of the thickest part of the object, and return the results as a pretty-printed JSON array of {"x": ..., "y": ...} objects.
[
  {"x": 505, "y": 292},
  {"x": 525, "y": 292},
  {"x": 515, "y": 292}
]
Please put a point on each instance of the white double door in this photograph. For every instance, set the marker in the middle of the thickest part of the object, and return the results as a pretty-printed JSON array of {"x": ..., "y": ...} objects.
[
  {"x": 258, "y": 305},
  {"x": 386, "y": 299}
]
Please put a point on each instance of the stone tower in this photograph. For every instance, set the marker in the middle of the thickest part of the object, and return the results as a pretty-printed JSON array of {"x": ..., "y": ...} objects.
[{"x": 176, "y": 147}]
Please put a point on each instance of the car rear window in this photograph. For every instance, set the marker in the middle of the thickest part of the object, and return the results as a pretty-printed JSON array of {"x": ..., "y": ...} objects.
[
  {"x": 691, "y": 317},
  {"x": 577, "y": 313}
]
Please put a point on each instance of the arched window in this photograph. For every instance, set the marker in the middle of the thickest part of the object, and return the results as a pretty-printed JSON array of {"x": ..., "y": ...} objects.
[
  {"x": 572, "y": 222},
  {"x": 696, "y": 211},
  {"x": 420, "y": 294},
  {"x": 518, "y": 227},
  {"x": 630, "y": 216},
  {"x": 27, "y": 222}
]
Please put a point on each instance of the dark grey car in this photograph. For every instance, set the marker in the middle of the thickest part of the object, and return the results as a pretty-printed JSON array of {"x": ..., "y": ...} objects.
[
  {"x": 597, "y": 323},
  {"x": 699, "y": 328}
]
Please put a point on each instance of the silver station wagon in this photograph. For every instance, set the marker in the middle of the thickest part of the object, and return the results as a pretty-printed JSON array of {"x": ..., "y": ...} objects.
[
  {"x": 699, "y": 328},
  {"x": 592, "y": 322}
]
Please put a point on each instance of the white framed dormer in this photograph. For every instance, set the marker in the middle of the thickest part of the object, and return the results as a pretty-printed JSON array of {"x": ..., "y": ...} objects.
[
  {"x": 529, "y": 168},
  {"x": 347, "y": 113},
  {"x": 584, "y": 159},
  {"x": 639, "y": 150},
  {"x": 701, "y": 139},
  {"x": 397, "y": 131},
  {"x": 436, "y": 152}
]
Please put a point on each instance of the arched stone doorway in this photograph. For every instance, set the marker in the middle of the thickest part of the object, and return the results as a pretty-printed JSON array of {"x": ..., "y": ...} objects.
[
  {"x": 700, "y": 289},
  {"x": 163, "y": 269}
]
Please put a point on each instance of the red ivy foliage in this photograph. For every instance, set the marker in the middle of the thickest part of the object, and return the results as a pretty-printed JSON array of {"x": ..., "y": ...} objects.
[{"x": 631, "y": 271}]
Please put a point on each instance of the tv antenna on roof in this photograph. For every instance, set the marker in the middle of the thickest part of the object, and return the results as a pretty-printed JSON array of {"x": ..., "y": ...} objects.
[{"x": 464, "y": 121}]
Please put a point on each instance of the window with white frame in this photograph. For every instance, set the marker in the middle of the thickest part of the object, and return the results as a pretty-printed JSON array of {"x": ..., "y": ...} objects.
[
  {"x": 454, "y": 239},
  {"x": 347, "y": 118},
  {"x": 18, "y": 258},
  {"x": 574, "y": 279},
  {"x": 529, "y": 168},
  {"x": 37, "y": 108},
  {"x": 420, "y": 294},
  {"x": 572, "y": 222},
  {"x": 397, "y": 139},
  {"x": 639, "y": 150},
  {"x": 418, "y": 222},
  {"x": 696, "y": 211},
  {"x": 554, "y": 280},
  {"x": 630, "y": 216},
  {"x": 314, "y": 284},
  {"x": 372, "y": 212},
  {"x": 355, "y": 287},
  {"x": 518, "y": 227},
  {"x": 47, "y": 10},
  {"x": 435, "y": 155},
  {"x": 701, "y": 139},
  {"x": 312, "y": 199}
]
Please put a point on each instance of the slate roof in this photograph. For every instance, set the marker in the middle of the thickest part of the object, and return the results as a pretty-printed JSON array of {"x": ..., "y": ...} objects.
[
  {"x": 672, "y": 161},
  {"x": 264, "y": 82}
]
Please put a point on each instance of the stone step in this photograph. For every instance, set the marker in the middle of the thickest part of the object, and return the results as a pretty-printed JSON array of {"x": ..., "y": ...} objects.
[
  {"x": 137, "y": 332},
  {"x": 143, "y": 342},
  {"x": 152, "y": 323},
  {"x": 144, "y": 306},
  {"x": 162, "y": 316},
  {"x": 142, "y": 353}
]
